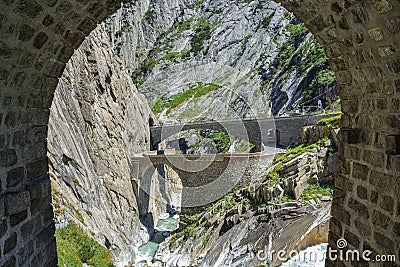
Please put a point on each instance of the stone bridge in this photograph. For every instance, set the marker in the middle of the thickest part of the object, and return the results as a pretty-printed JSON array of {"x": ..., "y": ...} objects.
[
  {"x": 205, "y": 178},
  {"x": 285, "y": 131},
  {"x": 360, "y": 38}
]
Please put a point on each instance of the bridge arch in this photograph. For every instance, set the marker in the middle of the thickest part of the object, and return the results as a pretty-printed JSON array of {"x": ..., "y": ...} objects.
[{"x": 361, "y": 38}]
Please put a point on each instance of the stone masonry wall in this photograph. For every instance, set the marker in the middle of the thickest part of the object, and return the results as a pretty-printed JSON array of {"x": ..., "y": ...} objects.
[{"x": 361, "y": 38}]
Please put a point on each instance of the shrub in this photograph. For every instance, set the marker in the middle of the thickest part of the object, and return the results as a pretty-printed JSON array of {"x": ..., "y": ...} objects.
[
  {"x": 193, "y": 92},
  {"x": 332, "y": 122},
  {"x": 74, "y": 248},
  {"x": 223, "y": 141}
]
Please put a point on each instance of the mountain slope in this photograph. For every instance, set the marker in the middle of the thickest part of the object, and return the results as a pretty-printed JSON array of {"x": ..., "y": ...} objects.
[{"x": 263, "y": 60}]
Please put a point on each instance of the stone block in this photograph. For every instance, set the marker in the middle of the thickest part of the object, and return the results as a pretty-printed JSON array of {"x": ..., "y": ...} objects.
[
  {"x": 50, "y": 2},
  {"x": 40, "y": 204},
  {"x": 393, "y": 144},
  {"x": 384, "y": 242},
  {"x": 362, "y": 227},
  {"x": 8, "y": 158},
  {"x": 54, "y": 68},
  {"x": 26, "y": 33},
  {"x": 380, "y": 219},
  {"x": 45, "y": 235},
  {"x": 17, "y": 218},
  {"x": 65, "y": 54},
  {"x": 25, "y": 253},
  {"x": 37, "y": 168},
  {"x": 10, "y": 243},
  {"x": 360, "y": 15},
  {"x": 341, "y": 214},
  {"x": 386, "y": 203},
  {"x": 40, "y": 189},
  {"x": 73, "y": 39},
  {"x": 350, "y": 136},
  {"x": 29, "y": 8},
  {"x": 48, "y": 20},
  {"x": 2, "y": 210},
  {"x": 360, "y": 171},
  {"x": 362, "y": 192},
  {"x": 393, "y": 25},
  {"x": 87, "y": 25},
  {"x": 352, "y": 239},
  {"x": 15, "y": 177},
  {"x": 344, "y": 77},
  {"x": 395, "y": 104},
  {"x": 374, "y": 196},
  {"x": 3, "y": 228},
  {"x": 16, "y": 202},
  {"x": 394, "y": 66},
  {"x": 47, "y": 215},
  {"x": 374, "y": 158},
  {"x": 396, "y": 229},
  {"x": 11, "y": 262},
  {"x": 28, "y": 228},
  {"x": 358, "y": 207},
  {"x": 335, "y": 226},
  {"x": 40, "y": 40},
  {"x": 382, "y": 181},
  {"x": 397, "y": 85}
]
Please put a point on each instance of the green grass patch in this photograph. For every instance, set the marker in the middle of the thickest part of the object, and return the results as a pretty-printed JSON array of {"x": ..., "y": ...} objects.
[
  {"x": 312, "y": 192},
  {"x": 274, "y": 175},
  {"x": 194, "y": 92},
  {"x": 74, "y": 248},
  {"x": 332, "y": 122},
  {"x": 297, "y": 151},
  {"x": 202, "y": 33},
  {"x": 222, "y": 141}
]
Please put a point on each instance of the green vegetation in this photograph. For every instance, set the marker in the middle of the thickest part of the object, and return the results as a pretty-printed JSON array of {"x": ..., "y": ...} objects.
[
  {"x": 149, "y": 15},
  {"x": 195, "y": 91},
  {"x": 297, "y": 151},
  {"x": 332, "y": 122},
  {"x": 319, "y": 75},
  {"x": 312, "y": 192},
  {"x": 286, "y": 198},
  {"x": 74, "y": 248},
  {"x": 305, "y": 57},
  {"x": 89, "y": 213},
  {"x": 274, "y": 176},
  {"x": 223, "y": 141},
  {"x": 76, "y": 182},
  {"x": 202, "y": 33},
  {"x": 267, "y": 20}
]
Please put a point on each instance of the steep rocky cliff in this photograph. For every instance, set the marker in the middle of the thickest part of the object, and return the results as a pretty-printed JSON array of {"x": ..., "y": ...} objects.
[
  {"x": 277, "y": 211},
  {"x": 98, "y": 120},
  {"x": 199, "y": 59}
]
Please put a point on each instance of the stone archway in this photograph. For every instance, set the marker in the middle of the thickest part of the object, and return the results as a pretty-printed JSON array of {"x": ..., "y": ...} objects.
[{"x": 361, "y": 38}]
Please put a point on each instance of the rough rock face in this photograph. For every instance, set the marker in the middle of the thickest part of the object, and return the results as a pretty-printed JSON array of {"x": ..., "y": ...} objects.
[
  {"x": 231, "y": 231},
  {"x": 256, "y": 52},
  {"x": 98, "y": 120}
]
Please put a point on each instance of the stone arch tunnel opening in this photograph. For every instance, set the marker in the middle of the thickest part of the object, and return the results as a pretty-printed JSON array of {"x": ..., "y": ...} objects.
[{"x": 361, "y": 39}]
